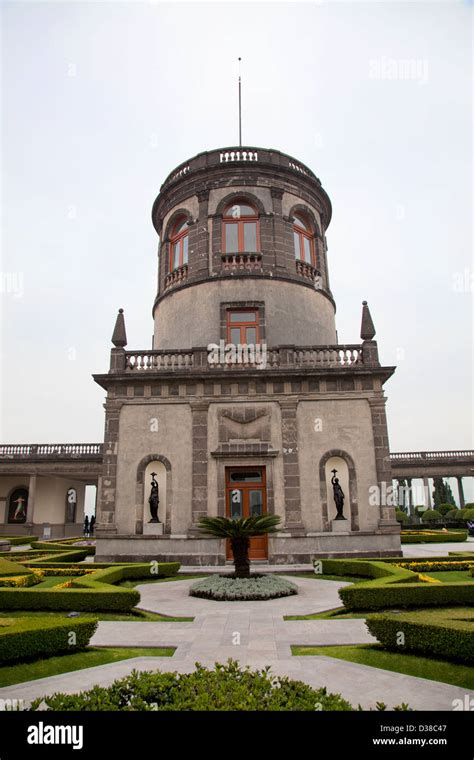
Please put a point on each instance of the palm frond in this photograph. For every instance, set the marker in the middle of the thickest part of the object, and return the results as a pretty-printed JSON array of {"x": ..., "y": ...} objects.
[{"x": 225, "y": 527}]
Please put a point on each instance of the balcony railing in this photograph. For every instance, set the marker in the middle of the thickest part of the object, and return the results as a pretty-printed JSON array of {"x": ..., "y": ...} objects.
[
  {"x": 241, "y": 262},
  {"x": 55, "y": 450},
  {"x": 430, "y": 456},
  {"x": 236, "y": 155},
  {"x": 176, "y": 277},
  {"x": 283, "y": 357},
  {"x": 308, "y": 271}
]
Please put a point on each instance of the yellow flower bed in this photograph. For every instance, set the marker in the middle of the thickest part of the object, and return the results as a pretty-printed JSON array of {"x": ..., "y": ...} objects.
[
  {"x": 436, "y": 565},
  {"x": 428, "y": 578},
  {"x": 18, "y": 581},
  {"x": 50, "y": 571}
]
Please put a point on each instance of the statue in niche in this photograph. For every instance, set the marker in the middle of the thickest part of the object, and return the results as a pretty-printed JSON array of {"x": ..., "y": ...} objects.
[
  {"x": 338, "y": 496},
  {"x": 154, "y": 499}
]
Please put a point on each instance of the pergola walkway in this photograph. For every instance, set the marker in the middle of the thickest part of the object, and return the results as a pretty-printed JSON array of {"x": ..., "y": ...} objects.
[{"x": 253, "y": 633}]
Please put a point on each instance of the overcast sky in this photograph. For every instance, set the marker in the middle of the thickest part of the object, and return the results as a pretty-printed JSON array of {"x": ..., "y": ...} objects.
[{"x": 101, "y": 100}]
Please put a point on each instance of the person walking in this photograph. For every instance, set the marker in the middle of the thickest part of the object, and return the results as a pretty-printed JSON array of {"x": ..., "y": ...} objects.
[
  {"x": 91, "y": 525},
  {"x": 86, "y": 526}
]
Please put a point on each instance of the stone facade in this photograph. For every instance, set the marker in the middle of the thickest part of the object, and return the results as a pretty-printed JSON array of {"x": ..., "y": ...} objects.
[{"x": 310, "y": 405}]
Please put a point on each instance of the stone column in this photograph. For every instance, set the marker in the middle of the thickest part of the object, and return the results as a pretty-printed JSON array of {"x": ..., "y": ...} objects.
[
  {"x": 410, "y": 497},
  {"x": 382, "y": 457},
  {"x": 291, "y": 471},
  {"x": 106, "y": 494},
  {"x": 199, "y": 412},
  {"x": 31, "y": 500},
  {"x": 426, "y": 486},
  {"x": 461, "y": 491}
]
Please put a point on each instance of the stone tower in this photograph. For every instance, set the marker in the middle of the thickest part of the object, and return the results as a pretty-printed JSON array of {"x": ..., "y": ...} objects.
[{"x": 246, "y": 402}]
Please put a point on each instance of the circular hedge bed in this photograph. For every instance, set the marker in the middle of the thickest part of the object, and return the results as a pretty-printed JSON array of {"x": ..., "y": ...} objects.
[{"x": 228, "y": 588}]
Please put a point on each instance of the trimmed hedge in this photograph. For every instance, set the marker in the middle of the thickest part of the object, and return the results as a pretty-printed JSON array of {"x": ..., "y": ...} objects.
[
  {"x": 401, "y": 516},
  {"x": 91, "y": 592},
  {"x": 443, "y": 633},
  {"x": 422, "y": 537},
  {"x": 19, "y": 540},
  {"x": 222, "y": 588},
  {"x": 431, "y": 514},
  {"x": 39, "y": 637},
  {"x": 391, "y": 586},
  {"x": 375, "y": 596},
  {"x": 7, "y": 567},
  {"x": 66, "y": 546}
]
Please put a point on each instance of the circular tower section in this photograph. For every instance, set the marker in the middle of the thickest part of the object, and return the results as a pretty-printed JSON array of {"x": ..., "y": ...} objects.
[{"x": 242, "y": 252}]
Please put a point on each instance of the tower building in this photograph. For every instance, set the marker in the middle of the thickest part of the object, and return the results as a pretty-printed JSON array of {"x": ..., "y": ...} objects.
[{"x": 246, "y": 402}]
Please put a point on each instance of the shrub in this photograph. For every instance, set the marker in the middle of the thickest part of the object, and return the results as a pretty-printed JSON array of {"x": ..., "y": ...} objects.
[
  {"x": 442, "y": 633},
  {"x": 7, "y": 567},
  {"x": 469, "y": 514},
  {"x": 375, "y": 596},
  {"x": 469, "y": 505},
  {"x": 44, "y": 636},
  {"x": 453, "y": 514},
  {"x": 228, "y": 687},
  {"x": 224, "y": 588},
  {"x": 92, "y": 592},
  {"x": 20, "y": 540},
  {"x": 431, "y": 514},
  {"x": 401, "y": 516},
  {"x": 18, "y": 581},
  {"x": 427, "y": 537},
  {"x": 433, "y": 566},
  {"x": 443, "y": 509}
]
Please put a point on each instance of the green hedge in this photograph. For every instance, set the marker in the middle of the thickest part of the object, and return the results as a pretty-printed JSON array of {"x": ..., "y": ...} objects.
[
  {"x": 7, "y": 567},
  {"x": 91, "y": 592},
  {"x": 442, "y": 633},
  {"x": 383, "y": 571},
  {"x": 450, "y": 537},
  {"x": 37, "y": 637},
  {"x": 19, "y": 540},
  {"x": 375, "y": 595},
  {"x": 66, "y": 547}
]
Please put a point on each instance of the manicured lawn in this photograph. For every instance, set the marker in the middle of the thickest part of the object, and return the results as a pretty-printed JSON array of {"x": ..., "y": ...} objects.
[
  {"x": 134, "y": 615},
  {"x": 53, "y": 666},
  {"x": 452, "y": 576},
  {"x": 410, "y": 664}
]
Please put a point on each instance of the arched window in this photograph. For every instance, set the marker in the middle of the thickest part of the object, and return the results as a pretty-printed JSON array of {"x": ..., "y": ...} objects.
[
  {"x": 179, "y": 243},
  {"x": 240, "y": 228},
  {"x": 303, "y": 238},
  {"x": 18, "y": 505}
]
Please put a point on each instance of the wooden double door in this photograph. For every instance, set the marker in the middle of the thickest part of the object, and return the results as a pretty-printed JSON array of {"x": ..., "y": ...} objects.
[{"x": 246, "y": 495}]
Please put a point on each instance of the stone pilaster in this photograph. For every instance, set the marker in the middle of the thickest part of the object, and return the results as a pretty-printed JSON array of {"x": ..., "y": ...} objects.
[
  {"x": 200, "y": 446},
  {"x": 31, "y": 500},
  {"x": 382, "y": 458},
  {"x": 107, "y": 493},
  {"x": 291, "y": 473}
]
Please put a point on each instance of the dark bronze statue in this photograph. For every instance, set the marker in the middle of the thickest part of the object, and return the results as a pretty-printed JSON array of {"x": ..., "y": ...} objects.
[
  {"x": 154, "y": 499},
  {"x": 338, "y": 496}
]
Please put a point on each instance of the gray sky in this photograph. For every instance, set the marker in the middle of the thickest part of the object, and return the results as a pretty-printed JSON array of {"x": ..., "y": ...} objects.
[{"x": 100, "y": 102}]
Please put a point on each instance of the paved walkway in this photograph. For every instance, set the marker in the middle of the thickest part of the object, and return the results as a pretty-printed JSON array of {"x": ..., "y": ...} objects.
[{"x": 253, "y": 633}]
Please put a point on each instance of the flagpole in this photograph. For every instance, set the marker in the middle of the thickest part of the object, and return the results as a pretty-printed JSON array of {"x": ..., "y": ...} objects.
[{"x": 240, "y": 107}]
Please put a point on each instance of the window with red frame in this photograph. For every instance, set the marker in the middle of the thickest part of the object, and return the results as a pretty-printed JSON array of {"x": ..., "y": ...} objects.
[
  {"x": 179, "y": 244},
  {"x": 303, "y": 238},
  {"x": 242, "y": 326},
  {"x": 240, "y": 228}
]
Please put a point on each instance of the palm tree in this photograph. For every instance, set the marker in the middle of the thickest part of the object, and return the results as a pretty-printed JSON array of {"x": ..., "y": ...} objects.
[{"x": 240, "y": 531}]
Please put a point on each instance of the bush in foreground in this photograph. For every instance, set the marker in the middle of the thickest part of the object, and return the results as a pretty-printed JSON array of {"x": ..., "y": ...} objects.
[
  {"x": 431, "y": 514},
  {"x": 227, "y": 687},
  {"x": 226, "y": 588}
]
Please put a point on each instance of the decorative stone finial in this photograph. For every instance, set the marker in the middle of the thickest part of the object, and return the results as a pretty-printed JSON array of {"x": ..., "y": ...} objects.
[
  {"x": 367, "y": 329},
  {"x": 119, "y": 337}
]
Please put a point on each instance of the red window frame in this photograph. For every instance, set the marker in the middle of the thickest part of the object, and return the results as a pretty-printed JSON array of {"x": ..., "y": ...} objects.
[
  {"x": 243, "y": 325},
  {"x": 178, "y": 239},
  {"x": 240, "y": 222},
  {"x": 302, "y": 235}
]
